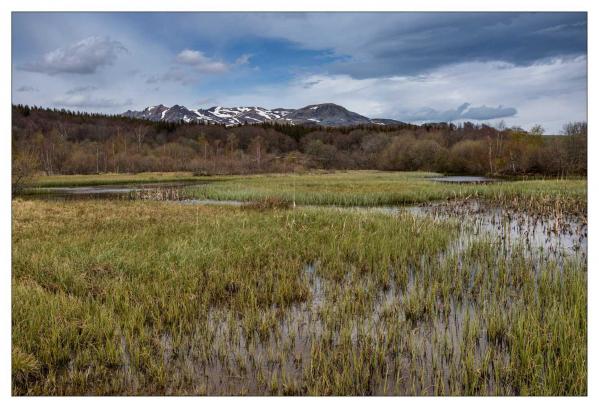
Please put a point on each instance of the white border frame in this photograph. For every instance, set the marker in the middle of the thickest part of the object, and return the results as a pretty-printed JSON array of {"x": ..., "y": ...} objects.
[{"x": 277, "y": 5}]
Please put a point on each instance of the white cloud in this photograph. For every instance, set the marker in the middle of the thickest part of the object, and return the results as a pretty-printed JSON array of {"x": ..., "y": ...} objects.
[
  {"x": 190, "y": 63},
  {"x": 82, "y": 57},
  {"x": 201, "y": 62},
  {"x": 122, "y": 82},
  {"x": 243, "y": 59},
  {"x": 550, "y": 93}
]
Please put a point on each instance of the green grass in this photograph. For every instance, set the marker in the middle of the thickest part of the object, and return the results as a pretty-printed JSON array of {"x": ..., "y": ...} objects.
[
  {"x": 374, "y": 188},
  {"x": 159, "y": 298}
]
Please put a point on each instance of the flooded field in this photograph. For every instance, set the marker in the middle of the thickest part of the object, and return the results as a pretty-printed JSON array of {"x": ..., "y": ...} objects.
[
  {"x": 183, "y": 295},
  {"x": 415, "y": 332},
  {"x": 164, "y": 191},
  {"x": 556, "y": 234}
]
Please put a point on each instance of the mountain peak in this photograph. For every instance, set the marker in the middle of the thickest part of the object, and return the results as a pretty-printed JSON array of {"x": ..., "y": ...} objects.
[
  {"x": 326, "y": 114},
  {"x": 323, "y": 114}
]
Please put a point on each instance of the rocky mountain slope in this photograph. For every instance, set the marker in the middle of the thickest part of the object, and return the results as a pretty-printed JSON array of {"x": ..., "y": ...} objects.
[{"x": 325, "y": 114}]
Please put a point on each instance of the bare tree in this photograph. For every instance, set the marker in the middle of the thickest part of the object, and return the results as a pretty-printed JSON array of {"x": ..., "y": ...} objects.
[
  {"x": 24, "y": 166},
  {"x": 203, "y": 142},
  {"x": 140, "y": 134}
]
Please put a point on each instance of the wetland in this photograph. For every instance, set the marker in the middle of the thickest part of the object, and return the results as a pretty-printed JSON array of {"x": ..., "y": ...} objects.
[{"x": 344, "y": 283}]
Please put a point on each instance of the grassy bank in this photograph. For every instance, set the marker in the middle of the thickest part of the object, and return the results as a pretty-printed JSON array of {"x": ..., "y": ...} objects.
[
  {"x": 161, "y": 298},
  {"x": 373, "y": 188}
]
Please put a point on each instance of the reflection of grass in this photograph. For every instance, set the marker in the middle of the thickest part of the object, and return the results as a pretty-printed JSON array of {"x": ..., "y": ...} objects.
[
  {"x": 114, "y": 179},
  {"x": 159, "y": 298}
]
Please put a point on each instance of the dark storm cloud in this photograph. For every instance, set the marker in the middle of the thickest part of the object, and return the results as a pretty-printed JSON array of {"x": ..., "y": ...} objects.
[
  {"x": 432, "y": 40},
  {"x": 486, "y": 113},
  {"x": 462, "y": 112}
]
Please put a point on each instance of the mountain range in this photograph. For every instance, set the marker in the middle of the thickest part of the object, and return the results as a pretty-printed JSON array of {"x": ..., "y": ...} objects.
[{"x": 324, "y": 114}]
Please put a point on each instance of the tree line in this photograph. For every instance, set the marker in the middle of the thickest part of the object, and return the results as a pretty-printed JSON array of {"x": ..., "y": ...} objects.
[{"x": 53, "y": 141}]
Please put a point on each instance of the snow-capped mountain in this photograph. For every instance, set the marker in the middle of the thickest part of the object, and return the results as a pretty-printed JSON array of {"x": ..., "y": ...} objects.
[
  {"x": 326, "y": 114},
  {"x": 215, "y": 115}
]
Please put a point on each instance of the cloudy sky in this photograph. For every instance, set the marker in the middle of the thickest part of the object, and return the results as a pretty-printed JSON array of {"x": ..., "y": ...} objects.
[{"x": 522, "y": 68}]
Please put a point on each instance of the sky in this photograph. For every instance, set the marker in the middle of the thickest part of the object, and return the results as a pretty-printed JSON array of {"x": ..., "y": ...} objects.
[{"x": 519, "y": 68}]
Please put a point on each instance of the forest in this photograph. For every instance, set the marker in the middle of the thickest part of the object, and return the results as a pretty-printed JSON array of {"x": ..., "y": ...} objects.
[{"x": 50, "y": 141}]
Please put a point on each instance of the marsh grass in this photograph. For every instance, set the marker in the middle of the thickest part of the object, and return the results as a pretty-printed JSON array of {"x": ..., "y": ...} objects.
[
  {"x": 144, "y": 297},
  {"x": 347, "y": 188},
  {"x": 375, "y": 188}
]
